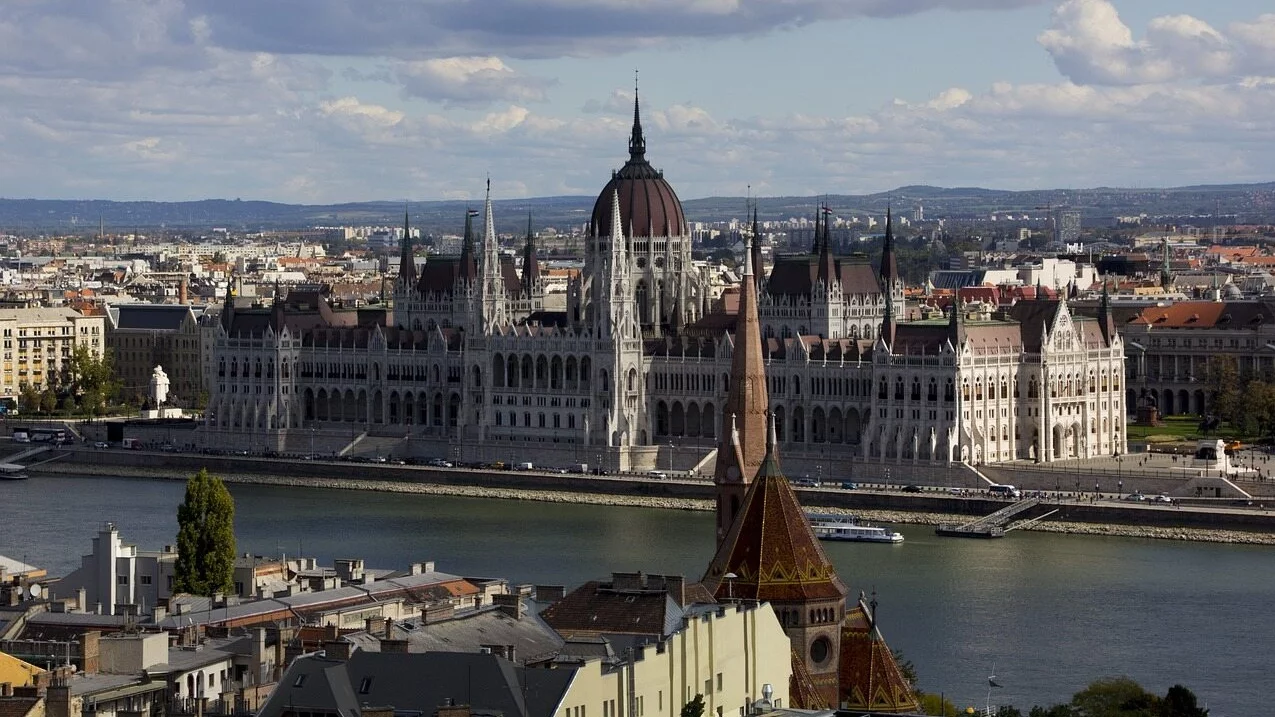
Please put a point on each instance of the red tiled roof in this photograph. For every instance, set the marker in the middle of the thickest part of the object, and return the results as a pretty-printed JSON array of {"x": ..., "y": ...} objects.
[
  {"x": 870, "y": 677},
  {"x": 771, "y": 548}
]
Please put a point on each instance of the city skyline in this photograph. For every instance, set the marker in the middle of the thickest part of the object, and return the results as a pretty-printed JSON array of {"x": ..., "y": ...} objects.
[{"x": 182, "y": 100}]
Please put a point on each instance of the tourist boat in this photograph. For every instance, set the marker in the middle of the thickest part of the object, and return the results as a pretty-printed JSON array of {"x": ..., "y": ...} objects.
[
  {"x": 846, "y": 527},
  {"x": 12, "y": 471}
]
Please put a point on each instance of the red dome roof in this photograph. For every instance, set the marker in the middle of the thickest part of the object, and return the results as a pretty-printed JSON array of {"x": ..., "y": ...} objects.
[{"x": 648, "y": 205}]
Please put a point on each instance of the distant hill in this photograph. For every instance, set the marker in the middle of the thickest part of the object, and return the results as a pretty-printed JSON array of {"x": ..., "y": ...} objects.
[{"x": 1242, "y": 203}]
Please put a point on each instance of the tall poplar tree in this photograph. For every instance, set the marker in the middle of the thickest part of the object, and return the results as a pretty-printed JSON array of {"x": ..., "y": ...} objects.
[{"x": 205, "y": 538}]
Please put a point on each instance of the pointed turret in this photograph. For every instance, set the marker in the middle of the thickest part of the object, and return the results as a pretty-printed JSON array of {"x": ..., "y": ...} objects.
[
  {"x": 493, "y": 281},
  {"x": 468, "y": 262},
  {"x": 1166, "y": 276},
  {"x": 1106, "y": 323},
  {"x": 530, "y": 265},
  {"x": 889, "y": 324},
  {"x": 827, "y": 264},
  {"x": 407, "y": 257},
  {"x": 770, "y": 554},
  {"x": 755, "y": 252},
  {"x": 746, "y": 405},
  {"x": 637, "y": 141},
  {"x": 889, "y": 264},
  {"x": 956, "y": 323}
]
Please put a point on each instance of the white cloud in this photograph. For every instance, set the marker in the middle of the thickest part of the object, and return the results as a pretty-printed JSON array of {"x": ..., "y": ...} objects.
[
  {"x": 468, "y": 81},
  {"x": 1090, "y": 44}
]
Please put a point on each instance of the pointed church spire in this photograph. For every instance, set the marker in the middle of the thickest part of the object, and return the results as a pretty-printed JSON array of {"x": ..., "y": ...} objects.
[
  {"x": 956, "y": 322},
  {"x": 889, "y": 264},
  {"x": 468, "y": 263},
  {"x": 530, "y": 266},
  {"x": 1166, "y": 276},
  {"x": 827, "y": 264},
  {"x": 637, "y": 142},
  {"x": 407, "y": 257},
  {"x": 758, "y": 272},
  {"x": 1105, "y": 321},
  {"x": 746, "y": 406}
]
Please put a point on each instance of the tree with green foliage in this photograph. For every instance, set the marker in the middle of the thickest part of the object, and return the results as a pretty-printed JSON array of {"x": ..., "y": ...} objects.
[
  {"x": 90, "y": 380},
  {"x": 1222, "y": 377},
  {"x": 694, "y": 708},
  {"x": 1181, "y": 702},
  {"x": 205, "y": 538},
  {"x": 932, "y": 704},
  {"x": 1115, "y": 697},
  {"x": 29, "y": 399}
]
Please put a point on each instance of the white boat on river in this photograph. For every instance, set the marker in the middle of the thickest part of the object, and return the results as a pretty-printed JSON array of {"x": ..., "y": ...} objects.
[{"x": 846, "y": 527}]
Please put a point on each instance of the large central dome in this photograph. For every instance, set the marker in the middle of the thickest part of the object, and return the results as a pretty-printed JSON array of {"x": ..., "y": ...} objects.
[{"x": 648, "y": 205}]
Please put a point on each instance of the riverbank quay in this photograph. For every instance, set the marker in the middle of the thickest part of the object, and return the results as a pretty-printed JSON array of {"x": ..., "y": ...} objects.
[{"x": 1225, "y": 525}]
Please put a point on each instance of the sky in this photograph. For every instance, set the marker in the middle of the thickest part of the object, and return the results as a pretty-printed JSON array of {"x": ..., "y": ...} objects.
[{"x": 322, "y": 101}]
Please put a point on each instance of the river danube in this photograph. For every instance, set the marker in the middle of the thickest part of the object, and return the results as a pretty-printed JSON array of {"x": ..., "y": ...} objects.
[{"x": 1049, "y": 612}]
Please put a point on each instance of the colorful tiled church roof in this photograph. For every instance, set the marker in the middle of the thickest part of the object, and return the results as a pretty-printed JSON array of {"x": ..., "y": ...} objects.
[
  {"x": 771, "y": 549},
  {"x": 870, "y": 677}
]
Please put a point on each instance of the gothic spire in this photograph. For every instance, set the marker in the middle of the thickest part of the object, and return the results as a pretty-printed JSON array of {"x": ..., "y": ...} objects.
[
  {"x": 746, "y": 405},
  {"x": 1105, "y": 321},
  {"x": 755, "y": 252},
  {"x": 468, "y": 263},
  {"x": 1166, "y": 276},
  {"x": 637, "y": 142},
  {"x": 827, "y": 264},
  {"x": 889, "y": 264},
  {"x": 530, "y": 267},
  {"x": 956, "y": 322},
  {"x": 407, "y": 258}
]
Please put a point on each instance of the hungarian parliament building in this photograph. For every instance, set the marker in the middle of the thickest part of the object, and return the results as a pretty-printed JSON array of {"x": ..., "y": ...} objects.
[{"x": 472, "y": 364}]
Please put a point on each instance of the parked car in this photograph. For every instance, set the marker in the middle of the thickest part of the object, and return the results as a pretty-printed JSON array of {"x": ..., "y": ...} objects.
[
  {"x": 806, "y": 483},
  {"x": 1162, "y": 498},
  {"x": 911, "y": 489},
  {"x": 101, "y": 444},
  {"x": 848, "y": 485},
  {"x": 439, "y": 463},
  {"x": 658, "y": 475},
  {"x": 1135, "y": 497}
]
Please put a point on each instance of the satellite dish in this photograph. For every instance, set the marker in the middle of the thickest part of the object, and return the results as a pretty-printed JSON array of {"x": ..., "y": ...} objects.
[{"x": 35, "y": 590}]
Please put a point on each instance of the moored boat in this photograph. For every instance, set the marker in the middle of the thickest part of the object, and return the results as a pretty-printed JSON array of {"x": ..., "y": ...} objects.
[{"x": 847, "y": 528}]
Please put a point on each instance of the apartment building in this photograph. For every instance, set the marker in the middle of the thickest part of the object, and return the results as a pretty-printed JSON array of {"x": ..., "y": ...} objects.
[{"x": 39, "y": 341}]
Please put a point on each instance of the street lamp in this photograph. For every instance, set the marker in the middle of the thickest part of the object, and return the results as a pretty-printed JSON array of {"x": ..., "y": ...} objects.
[
  {"x": 730, "y": 586},
  {"x": 670, "y": 458}
]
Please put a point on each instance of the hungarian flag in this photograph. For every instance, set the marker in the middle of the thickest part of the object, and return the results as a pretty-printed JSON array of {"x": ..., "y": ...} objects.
[
  {"x": 473, "y": 212},
  {"x": 991, "y": 681}
]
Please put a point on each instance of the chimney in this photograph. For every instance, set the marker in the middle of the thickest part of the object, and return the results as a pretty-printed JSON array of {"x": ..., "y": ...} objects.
[
  {"x": 437, "y": 613},
  {"x": 676, "y": 587},
  {"x": 626, "y": 581},
  {"x": 448, "y": 709},
  {"x": 331, "y": 632},
  {"x": 396, "y": 647},
  {"x": 511, "y": 605},
  {"x": 338, "y": 649},
  {"x": 549, "y": 593}
]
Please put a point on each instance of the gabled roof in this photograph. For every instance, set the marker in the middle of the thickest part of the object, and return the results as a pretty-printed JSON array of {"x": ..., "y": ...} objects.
[
  {"x": 149, "y": 317},
  {"x": 418, "y": 682},
  {"x": 869, "y": 675},
  {"x": 771, "y": 549},
  {"x": 795, "y": 275},
  {"x": 596, "y": 608},
  {"x": 1207, "y": 315}
]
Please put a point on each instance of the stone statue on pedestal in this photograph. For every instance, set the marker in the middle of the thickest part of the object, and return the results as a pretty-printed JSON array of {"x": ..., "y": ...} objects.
[{"x": 158, "y": 387}]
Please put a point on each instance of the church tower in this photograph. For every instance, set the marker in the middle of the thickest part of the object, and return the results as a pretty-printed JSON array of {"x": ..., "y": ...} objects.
[
  {"x": 743, "y": 434},
  {"x": 494, "y": 300}
]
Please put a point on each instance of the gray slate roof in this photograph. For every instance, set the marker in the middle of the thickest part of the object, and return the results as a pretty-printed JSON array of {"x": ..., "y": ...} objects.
[{"x": 414, "y": 682}]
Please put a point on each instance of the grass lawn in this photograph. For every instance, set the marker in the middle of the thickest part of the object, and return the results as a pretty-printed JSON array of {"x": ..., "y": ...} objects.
[{"x": 1181, "y": 428}]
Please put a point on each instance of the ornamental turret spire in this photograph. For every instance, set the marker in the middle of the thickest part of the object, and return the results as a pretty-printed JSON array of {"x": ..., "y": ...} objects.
[
  {"x": 406, "y": 259},
  {"x": 637, "y": 142}
]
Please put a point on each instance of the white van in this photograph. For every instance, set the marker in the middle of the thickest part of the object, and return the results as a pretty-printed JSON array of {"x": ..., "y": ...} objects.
[
  {"x": 524, "y": 467},
  {"x": 21, "y": 437},
  {"x": 1007, "y": 491}
]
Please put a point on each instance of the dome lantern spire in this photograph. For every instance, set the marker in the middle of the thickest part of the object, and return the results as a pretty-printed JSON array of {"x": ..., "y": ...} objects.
[{"x": 637, "y": 142}]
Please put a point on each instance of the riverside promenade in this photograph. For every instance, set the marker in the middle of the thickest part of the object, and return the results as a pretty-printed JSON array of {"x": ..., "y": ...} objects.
[{"x": 1217, "y": 521}]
